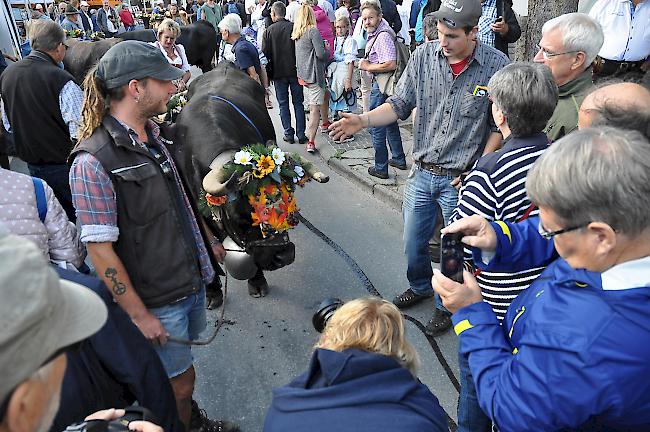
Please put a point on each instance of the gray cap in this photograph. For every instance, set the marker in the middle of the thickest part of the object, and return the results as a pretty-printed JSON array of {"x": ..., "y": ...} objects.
[
  {"x": 134, "y": 60},
  {"x": 459, "y": 13},
  {"x": 39, "y": 313}
]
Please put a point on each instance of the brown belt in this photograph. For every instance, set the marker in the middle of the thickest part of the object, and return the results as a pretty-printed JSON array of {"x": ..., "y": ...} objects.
[
  {"x": 606, "y": 67},
  {"x": 437, "y": 169}
]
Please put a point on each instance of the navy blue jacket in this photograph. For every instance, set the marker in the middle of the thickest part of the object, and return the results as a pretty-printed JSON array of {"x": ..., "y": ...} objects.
[
  {"x": 113, "y": 368},
  {"x": 572, "y": 352},
  {"x": 355, "y": 391}
]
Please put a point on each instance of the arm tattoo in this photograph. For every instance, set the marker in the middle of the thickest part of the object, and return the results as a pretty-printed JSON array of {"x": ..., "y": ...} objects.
[{"x": 118, "y": 287}]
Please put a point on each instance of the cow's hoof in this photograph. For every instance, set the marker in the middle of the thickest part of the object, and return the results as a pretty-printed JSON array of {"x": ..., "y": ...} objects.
[{"x": 258, "y": 291}]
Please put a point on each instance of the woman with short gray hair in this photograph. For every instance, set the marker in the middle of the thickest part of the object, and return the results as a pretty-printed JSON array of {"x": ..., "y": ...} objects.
[{"x": 523, "y": 97}]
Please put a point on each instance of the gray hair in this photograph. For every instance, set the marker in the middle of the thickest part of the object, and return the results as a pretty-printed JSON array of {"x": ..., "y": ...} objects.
[
  {"x": 629, "y": 117},
  {"x": 231, "y": 23},
  {"x": 430, "y": 27},
  {"x": 171, "y": 25},
  {"x": 370, "y": 4},
  {"x": 526, "y": 94},
  {"x": 45, "y": 35},
  {"x": 279, "y": 9},
  {"x": 579, "y": 32},
  {"x": 595, "y": 175}
]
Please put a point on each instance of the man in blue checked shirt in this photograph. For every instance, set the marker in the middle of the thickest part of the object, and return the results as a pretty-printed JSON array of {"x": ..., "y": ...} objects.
[
  {"x": 42, "y": 108},
  {"x": 573, "y": 350}
]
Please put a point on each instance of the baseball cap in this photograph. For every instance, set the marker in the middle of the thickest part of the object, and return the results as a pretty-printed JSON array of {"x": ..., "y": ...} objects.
[
  {"x": 459, "y": 13},
  {"x": 40, "y": 314},
  {"x": 84, "y": 3},
  {"x": 131, "y": 60}
]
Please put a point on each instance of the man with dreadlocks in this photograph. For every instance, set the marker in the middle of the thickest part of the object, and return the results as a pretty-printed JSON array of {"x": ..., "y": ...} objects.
[{"x": 137, "y": 221}]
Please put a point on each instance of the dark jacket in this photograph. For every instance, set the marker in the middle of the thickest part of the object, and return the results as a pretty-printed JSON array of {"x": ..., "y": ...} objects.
[
  {"x": 113, "y": 368},
  {"x": 280, "y": 50},
  {"x": 354, "y": 391},
  {"x": 30, "y": 91},
  {"x": 103, "y": 17},
  {"x": 390, "y": 14},
  {"x": 86, "y": 22},
  {"x": 504, "y": 9},
  {"x": 152, "y": 219}
]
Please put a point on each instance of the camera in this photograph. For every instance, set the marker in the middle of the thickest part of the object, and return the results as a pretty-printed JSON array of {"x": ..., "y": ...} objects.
[
  {"x": 132, "y": 413},
  {"x": 451, "y": 256},
  {"x": 324, "y": 312}
]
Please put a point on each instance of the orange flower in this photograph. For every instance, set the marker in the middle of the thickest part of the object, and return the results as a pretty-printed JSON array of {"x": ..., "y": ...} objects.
[
  {"x": 215, "y": 200},
  {"x": 265, "y": 165},
  {"x": 270, "y": 189}
]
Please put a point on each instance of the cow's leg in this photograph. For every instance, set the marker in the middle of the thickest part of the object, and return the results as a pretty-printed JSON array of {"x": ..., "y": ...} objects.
[{"x": 257, "y": 285}]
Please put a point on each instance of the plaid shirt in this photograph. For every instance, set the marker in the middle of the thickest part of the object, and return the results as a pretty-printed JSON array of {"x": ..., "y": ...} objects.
[
  {"x": 382, "y": 49},
  {"x": 488, "y": 15},
  {"x": 94, "y": 199}
]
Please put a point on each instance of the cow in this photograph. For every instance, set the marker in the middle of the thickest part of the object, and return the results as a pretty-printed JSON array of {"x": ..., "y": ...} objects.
[
  {"x": 199, "y": 40},
  {"x": 225, "y": 112}
]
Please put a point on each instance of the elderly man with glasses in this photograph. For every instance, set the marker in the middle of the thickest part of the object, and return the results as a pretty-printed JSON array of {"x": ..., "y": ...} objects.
[
  {"x": 573, "y": 348},
  {"x": 568, "y": 47}
]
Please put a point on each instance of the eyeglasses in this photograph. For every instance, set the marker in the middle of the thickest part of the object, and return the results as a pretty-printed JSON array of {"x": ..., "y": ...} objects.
[
  {"x": 548, "y": 54},
  {"x": 548, "y": 235}
]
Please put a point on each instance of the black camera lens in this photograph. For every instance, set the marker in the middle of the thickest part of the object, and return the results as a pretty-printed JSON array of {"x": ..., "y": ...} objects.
[{"x": 324, "y": 312}]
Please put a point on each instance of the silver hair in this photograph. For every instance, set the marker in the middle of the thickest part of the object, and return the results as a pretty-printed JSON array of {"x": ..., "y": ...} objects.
[
  {"x": 171, "y": 25},
  {"x": 371, "y": 4},
  {"x": 579, "y": 32},
  {"x": 279, "y": 9},
  {"x": 45, "y": 35},
  {"x": 526, "y": 94},
  {"x": 597, "y": 174},
  {"x": 231, "y": 23}
]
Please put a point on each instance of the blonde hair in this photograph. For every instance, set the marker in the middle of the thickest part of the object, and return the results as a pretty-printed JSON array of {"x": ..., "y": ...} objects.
[
  {"x": 370, "y": 324},
  {"x": 343, "y": 19},
  {"x": 305, "y": 19},
  {"x": 171, "y": 25},
  {"x": 97, "y": 101}
]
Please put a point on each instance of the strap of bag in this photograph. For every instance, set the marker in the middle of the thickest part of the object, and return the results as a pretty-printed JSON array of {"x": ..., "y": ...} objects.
[
  {"x": 373, "y": 43},
  {"x": 41, "y": 201}
]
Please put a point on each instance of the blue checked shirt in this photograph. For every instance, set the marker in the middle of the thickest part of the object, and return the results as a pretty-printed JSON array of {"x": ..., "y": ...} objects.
[
  {"x": 70, "y": 101},
  {"x": 93, "y": 196},
  {"x": 488, "y": 15}
]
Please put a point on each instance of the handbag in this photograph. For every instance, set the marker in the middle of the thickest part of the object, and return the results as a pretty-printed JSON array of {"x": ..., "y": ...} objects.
[{"x": 385, "y": 80}]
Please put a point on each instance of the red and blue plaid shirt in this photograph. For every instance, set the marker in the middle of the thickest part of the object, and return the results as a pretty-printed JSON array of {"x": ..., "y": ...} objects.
[{"x": 94, "y": 199}]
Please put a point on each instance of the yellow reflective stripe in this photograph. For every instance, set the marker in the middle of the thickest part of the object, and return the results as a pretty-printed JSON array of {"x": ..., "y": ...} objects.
[
  {"x": 505, "y": 229},
  {"x": 581, "y": 285},
  {"x": 462, "y": 326},
  {"x": 514, "y": 321},
  {"x": 515, "y": 351}
]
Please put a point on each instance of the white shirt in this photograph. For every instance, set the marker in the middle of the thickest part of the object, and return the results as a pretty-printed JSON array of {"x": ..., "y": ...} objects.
[
  {"x": 329, "y": 10},
  {"x": 627, "y": 37},
  {"x": 291, "y": 10},
  {"x": 404, "y": 11},
  {"x": 180, "y": 61}
]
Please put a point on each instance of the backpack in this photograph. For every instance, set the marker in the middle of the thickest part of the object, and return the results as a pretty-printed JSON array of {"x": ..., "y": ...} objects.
[
  {"x": 232, "y": 8},
  {"x": 41, "y": 200},
  {"x": 387, "y": 81}
]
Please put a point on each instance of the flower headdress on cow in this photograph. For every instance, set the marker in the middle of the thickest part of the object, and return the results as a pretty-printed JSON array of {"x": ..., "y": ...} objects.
[{"x": 267, "y": 177}]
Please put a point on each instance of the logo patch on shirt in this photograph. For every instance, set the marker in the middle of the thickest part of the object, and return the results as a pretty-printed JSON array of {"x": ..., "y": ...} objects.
[{"x": 480, "y": 91}]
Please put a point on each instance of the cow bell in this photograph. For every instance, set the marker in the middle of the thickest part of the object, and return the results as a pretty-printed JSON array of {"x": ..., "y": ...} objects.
[{"x": 238, "y": 262}]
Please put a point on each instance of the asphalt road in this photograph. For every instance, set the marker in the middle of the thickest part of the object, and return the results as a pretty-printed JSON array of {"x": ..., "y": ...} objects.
[{"x": 268, "y": 341}]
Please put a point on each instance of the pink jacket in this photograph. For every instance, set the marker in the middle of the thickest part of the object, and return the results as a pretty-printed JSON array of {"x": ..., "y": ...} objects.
[
  {"x": 324, "y": 27},
  {"x": 56, "y": 237}
]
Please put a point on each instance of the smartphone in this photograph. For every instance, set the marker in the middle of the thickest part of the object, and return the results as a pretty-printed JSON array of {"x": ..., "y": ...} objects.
[
  {"x": 499, "y": 19},
  {"x": 451, "y": 256}
]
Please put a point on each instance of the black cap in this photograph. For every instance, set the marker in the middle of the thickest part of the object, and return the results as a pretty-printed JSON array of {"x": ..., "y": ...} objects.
[
  {"x": 131, "y": 60},
  {"x": 71, "y": 10},
  {"x": 459, "y": 13}
]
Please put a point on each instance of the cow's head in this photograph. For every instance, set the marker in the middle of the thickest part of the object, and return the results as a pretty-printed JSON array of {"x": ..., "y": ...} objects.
[{"x": 270, "y": 250}]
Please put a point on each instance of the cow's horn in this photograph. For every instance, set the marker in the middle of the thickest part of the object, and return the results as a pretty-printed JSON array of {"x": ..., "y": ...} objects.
[
  {"x": 215, "y": 182},
  {"x": 313, "y": 173}
]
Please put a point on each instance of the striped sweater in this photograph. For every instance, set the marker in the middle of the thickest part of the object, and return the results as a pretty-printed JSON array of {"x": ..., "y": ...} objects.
[{"x": 496, "y": 189}]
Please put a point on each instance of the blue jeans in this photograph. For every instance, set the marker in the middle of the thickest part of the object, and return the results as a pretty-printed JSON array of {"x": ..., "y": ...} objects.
[
  {"x": 421, "y": 192},
  {"x": 380, "y": 134},
  {"x": 470, "y": 416},
  {"x": 183, "y": 319},
  {"x": 282, "y": 87},
  {"x": 57, "y": 177}
]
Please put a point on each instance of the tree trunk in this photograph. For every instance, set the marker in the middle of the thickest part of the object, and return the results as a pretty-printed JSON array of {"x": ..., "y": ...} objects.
[{"x": 539, "y": 11}]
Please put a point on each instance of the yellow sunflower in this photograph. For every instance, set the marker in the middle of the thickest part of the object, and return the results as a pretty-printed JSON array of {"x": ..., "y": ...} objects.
[{"x": 265, "y": 165}]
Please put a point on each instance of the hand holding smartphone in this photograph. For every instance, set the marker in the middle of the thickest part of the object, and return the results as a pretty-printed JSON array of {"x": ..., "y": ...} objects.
[{"x": 451, "y": 256}]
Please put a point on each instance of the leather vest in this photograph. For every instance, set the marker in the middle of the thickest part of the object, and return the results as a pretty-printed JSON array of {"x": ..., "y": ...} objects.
[{"x": 155, "y": 243}]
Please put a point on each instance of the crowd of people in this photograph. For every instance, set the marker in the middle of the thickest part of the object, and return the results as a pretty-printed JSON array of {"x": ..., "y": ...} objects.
[{"x": 542, "y": 166}]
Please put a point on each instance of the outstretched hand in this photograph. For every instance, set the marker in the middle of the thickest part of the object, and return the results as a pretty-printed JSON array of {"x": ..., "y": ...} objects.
[{"x": 347, "y": 126}]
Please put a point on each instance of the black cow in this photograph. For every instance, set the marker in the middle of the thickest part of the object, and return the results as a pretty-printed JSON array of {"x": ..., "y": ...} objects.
[
  {"x": 209, "y": 129},
  {"x": 199, "y": 40}
]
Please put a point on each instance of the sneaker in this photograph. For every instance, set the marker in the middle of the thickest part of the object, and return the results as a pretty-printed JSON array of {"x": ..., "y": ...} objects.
[
  {"x": 408, "y": 298},
  {"x": 324, "y": 128},
  {"x": 288, "y": 139},
  {"x": 373, "y": 172},
  {"x": 311, "y": 146},
  {"x": 438, "y": 324},
  {"x": 199, "y": 422},
  {"x": 344, "y": 140},
  {"x": 392, "y": 163},
  {"x": 303, "y": 140}
]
